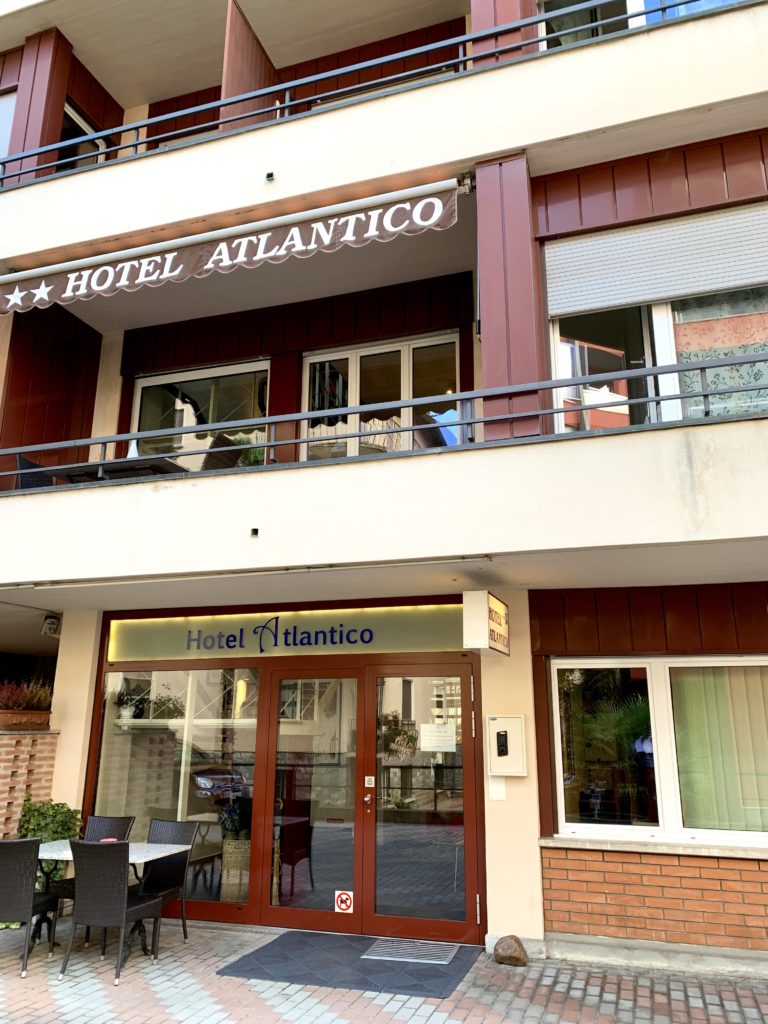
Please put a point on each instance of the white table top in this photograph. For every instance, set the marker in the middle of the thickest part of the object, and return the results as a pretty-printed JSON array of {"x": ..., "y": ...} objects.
[{"x": 138, "y": 853}]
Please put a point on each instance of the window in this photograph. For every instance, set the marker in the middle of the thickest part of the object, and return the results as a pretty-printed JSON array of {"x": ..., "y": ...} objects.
[
  {"x": 198, "y": 398},
  {"x": 674, "y": 750},
  {"x": 78, "y": 154},
  {"x": 373, "y": 376},
  {"x": 7, "y": 107}
]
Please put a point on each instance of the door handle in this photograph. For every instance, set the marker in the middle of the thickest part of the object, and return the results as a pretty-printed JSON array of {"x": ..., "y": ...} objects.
[{"x": 368, "y": 798}]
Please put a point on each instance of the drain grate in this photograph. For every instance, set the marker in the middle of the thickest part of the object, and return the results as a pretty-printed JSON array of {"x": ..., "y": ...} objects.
[{"x": 412, "y": 951}]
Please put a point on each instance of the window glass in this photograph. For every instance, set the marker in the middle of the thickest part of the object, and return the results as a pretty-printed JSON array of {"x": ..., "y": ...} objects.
[
  {"x": 202, "y": 400},
  {"x": 578, "y": 26},
  {"x": 607, "y": 746},
  {"x": 723, "y": 326},
  {"x": 328, "y": 390},
  {"x": 77, "y": 154},
  {"x": 181, "y": 745},
  {"x": 721, "y": 734},
  {"x": 7, "y": 106},
  {"x": 691, "y": 7},
  {"x": 434, "y": 373},
  {"x": 381, "y": 381}
]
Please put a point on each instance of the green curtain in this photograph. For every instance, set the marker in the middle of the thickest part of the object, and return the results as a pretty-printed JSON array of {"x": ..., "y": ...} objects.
[{"x": 721, "y": 731}]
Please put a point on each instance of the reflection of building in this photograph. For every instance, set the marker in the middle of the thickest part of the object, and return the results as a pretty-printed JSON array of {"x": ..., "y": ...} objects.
[{"x": 282, "y": 378}]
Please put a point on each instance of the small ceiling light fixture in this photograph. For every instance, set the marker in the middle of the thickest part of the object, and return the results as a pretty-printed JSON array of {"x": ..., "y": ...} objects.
[
  {"x": 255, "y": 531},
  {"x": 270, "y": 175}
]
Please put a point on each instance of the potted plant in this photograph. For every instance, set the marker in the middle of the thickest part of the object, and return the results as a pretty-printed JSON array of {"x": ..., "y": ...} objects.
[
  {"x": 129, "y": 706},
  {"x": 25, "y": 704}
]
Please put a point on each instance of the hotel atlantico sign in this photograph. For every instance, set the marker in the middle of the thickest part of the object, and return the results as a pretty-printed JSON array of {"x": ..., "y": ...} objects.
[
  {"x": 378, "y": 223},
  {"x": 287, "y": 633}
]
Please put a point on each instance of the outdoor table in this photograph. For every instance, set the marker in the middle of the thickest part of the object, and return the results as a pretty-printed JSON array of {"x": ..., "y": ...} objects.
[
  {"x": 119, "y": 469},
  {"x": 138, "y": 853}
]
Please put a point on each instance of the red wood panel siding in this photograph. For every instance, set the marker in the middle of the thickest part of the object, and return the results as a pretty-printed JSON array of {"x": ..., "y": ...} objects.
[
  {"x": 486, "y": 14},
  {"x": 686, "y": 179},
  {"x": 10, "y": 68},
  {"x": 189, "y": 122},
  {"x": 53, "y": 365},
  {"x": 91, "y": 99},
  {"x": 371, "y": 51},
  {"x": 247, "y": 67},
  {"x": 717, "y": 619},
  {"x": 509, "y": 270},
  {"x": 42, "y": 90}
]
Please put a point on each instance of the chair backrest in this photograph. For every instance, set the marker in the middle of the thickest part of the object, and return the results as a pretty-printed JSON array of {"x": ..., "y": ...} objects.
[
  {"x": 28, "y": 481},
  {"x": 100, "y": 826},
  {"x": 18, "y": 867},
  {"x": 101, "y": 883},
  {"x": 169, "y": 872}
]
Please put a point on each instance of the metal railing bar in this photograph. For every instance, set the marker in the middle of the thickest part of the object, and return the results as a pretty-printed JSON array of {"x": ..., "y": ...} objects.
[
  {"x": 460, "y": 43},
  {"x": 461, "y": 399}
]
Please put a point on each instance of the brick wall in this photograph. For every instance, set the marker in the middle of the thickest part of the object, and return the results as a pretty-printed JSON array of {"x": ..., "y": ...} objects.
[
  {"x": 706, "y": 901},
  {"x": 26, "y": 770}
]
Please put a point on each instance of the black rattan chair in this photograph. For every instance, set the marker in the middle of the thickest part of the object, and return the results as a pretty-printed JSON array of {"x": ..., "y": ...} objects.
[
  {"x": 18, "y": 899},
  {"x": 97, "y": 827},
  {"x": 102, "y": 898},
  {"x": 167, "y": 877}
]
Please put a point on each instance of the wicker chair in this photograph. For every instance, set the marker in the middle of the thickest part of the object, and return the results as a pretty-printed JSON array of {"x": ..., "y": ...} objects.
[
  {"x": 18, "y": 899},
  {"x": 167, "y": 878},
  {"x": 97, "y": 827},
  {"x": 102, "y": 899}
]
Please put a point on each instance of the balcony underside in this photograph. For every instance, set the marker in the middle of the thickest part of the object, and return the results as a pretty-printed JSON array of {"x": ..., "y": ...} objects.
[{"x": 564, "y": 114}]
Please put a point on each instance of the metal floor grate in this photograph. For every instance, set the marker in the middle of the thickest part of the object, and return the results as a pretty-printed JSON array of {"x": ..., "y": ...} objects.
[{"x": 412, "y": 951}]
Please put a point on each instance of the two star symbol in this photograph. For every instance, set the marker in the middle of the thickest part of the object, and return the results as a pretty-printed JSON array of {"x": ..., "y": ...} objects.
[{"x": 41, "y": 295}]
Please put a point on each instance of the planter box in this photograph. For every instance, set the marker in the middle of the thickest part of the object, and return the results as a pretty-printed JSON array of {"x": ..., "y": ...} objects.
[{"x": 24, "y": 720}]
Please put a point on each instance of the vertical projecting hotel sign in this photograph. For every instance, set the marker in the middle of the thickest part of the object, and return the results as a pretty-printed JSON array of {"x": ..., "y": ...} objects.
[{"x": 377, "y": 223}]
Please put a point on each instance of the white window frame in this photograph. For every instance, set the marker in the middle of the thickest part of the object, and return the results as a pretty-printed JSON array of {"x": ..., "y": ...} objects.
[
  {"x": 230, "y": 370},
  {"x": 354, "y": 354},
  {"x": 5, "y": 135},
  {"x": 670, "y": 828},
  {"x": 88, "y": 129}
]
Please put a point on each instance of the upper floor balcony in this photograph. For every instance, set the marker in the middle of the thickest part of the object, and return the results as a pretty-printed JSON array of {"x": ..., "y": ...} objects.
[{"x": 120, "y": 122}]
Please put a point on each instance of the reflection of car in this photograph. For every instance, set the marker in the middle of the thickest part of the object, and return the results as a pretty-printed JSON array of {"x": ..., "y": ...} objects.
[{"x": 218, "y": 782}]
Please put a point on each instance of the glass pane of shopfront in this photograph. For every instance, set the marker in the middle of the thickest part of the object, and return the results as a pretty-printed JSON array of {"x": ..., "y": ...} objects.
[
  {"x": 181, "y": 745},
  {"x": 314, "y": 800},
  {"x": 607, "y": 746},
  {"x": 420, "y": 798}
]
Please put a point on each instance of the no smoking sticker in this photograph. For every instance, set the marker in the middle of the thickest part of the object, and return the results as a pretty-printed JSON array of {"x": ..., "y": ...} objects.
[{"x": 344, "y": 902}]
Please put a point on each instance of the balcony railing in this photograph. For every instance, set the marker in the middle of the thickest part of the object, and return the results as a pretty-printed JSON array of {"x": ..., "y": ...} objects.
[
  {"x": 474, "y": 52},
  {"x": 660, "y": 397}
]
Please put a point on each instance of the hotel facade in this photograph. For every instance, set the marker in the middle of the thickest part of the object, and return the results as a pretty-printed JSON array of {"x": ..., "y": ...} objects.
[{"x": 382, "y": 459}]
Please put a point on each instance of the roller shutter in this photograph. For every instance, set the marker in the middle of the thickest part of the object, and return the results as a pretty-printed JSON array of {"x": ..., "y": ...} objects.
[{"x": 668, "y": 259}]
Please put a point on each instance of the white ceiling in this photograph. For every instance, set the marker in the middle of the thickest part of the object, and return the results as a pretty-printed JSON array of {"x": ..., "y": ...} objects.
[
  {"x": 376, "y": 265},
  {"x": 147, "y": 50}
]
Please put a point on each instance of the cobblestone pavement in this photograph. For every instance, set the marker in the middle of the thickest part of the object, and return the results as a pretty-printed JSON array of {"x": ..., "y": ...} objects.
[{"x": 183, "y": 988}]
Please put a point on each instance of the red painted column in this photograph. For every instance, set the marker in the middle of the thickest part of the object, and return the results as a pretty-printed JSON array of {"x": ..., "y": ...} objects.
[
  {"x": 513, "y": 327},
  {"x": 41, "y": 95},
  {"x": 486, "y": 14},
  {"x": 246, "y": 68}
]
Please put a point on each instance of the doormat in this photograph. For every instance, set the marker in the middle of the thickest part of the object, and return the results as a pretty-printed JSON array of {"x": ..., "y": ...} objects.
[{"x": 335, "y": 961}]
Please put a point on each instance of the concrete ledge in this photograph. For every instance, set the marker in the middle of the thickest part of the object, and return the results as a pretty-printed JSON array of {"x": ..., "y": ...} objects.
[
  {"x": 668, "y": 956},
  {"x": 680, "y": 849}
]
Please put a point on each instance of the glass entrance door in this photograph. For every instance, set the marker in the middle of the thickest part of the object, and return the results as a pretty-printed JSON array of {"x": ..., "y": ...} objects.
[{"x": 372, "y": 820}]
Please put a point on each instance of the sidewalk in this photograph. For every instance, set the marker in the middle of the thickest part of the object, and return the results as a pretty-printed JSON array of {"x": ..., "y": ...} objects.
[{"x": 183, "y": 987}]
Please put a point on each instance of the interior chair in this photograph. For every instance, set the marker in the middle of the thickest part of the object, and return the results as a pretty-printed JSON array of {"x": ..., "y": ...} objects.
[
  {"x": 29, "y": 481},
  {"x": 296, "y": 838},
  {"x": 103, "y": 900},
  {"x": 97, "y": 827},
  {"x": 18, "y": 899},
  {"x": 166, "y": 878}
]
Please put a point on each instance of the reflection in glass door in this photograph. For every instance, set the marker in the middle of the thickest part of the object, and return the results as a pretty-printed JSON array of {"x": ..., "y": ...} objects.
[
  {"x": 419, "y": 853},
  {"x": 313, "y": 828}
]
